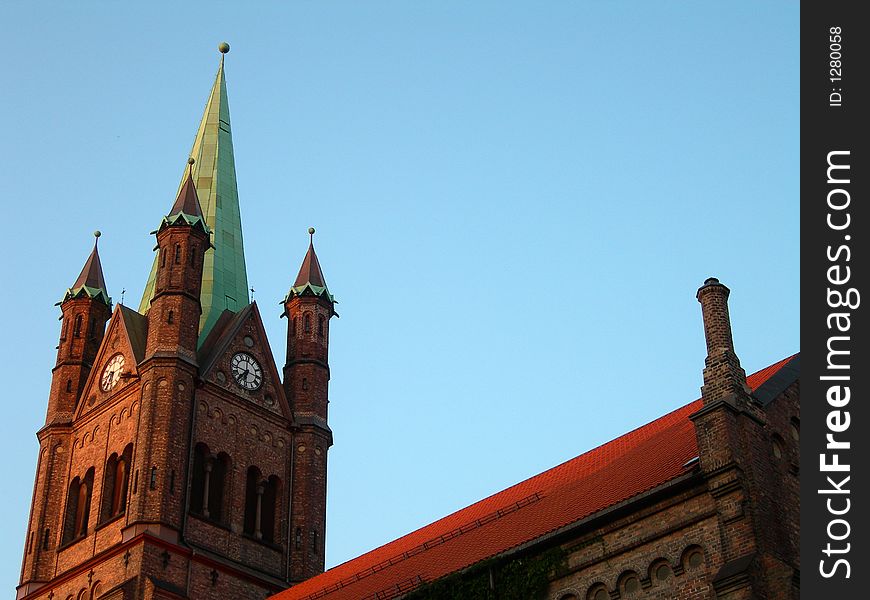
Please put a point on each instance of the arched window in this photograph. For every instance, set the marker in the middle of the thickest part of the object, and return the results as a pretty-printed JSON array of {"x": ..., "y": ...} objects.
[
  {"x": 777, "y": 446},
  {"x": 693, "y": 557},
  {"x": 209, "y": 489},
  {"x": 629, "y": 583},
  {"x": 269, "y": 506},
  {"x": 69, "y": 385},
  {"x": 261, "y": 501},
  {"x": 116, "y": 482},
  {"x": 162, "y": 257},
  {"x": 177, "y": 254},
  {"x": 320, "y": 328},
  {"x": 795, "y": 429},
  {"x": 598, "y": 592},
  {"x": 298, "y": 538},
  {"x": 78, "y": 507},
  {"x": 660, "y": 571},
  {"x": 77, "y": 327},
  {"x": 193, "y": 255},
  {"x": 92, "y": 328},
  {"x": 169, "y": 317},
  {"x": 306, "y": 322}
]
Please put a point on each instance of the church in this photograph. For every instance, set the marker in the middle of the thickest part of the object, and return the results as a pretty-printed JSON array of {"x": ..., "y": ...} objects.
[{"x": 177, "y": 462}]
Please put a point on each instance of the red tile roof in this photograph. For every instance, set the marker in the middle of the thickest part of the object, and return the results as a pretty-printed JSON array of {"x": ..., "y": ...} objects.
[{"x": 616, "y": 471}]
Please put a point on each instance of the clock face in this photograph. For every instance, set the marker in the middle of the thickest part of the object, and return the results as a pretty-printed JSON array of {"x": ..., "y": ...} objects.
[
  {"x": 247, "y": 371},
  {"x": 112, "y": 372}
]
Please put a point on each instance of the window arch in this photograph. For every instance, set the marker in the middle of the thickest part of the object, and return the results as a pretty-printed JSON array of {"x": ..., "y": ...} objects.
[
  {"x": 306, "y": 322},
  {"x": 629, "y": 583},
  {"x": 177, "y": 254},
  {"x": 69, "y": 385},
  {"x": 162, "y": 257},
  {"x": 116, "y": 482},
  {"x": 693, "y": 558},
  {"x": 777, "y": 446},
  {"x": 209, "y": 486},
  {"x": 261, "y": 501},
  {"x": 598, "y": 592},
  {"x": 795, "y": 429},
  {"x": 78, "y": 507},
  {"x": 77, "y": 326},
  {"x": 320, "y": 325},
  {"x": 193, "y": 255},
  {"x": 660, "y": 570}
]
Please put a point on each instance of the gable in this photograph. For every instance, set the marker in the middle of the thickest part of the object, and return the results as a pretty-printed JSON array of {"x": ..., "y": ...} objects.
[
  {"x": 243, "y": 333},
  {"x": 125, "y": 338}
]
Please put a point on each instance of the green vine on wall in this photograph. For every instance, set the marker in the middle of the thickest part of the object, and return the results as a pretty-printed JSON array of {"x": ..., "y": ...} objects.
[{"x": 525, "y": 578}]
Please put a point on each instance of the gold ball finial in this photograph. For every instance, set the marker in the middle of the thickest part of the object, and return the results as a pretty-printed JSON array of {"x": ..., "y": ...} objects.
[
  {"x": 97, "y": 233},
  {"x": 223, "y": 47},
  {"x": 191, "y": 160},
  {"x": 311, "y": 230}
]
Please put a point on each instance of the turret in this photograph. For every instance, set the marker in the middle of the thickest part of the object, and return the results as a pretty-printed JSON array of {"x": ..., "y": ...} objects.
[
  {"x": 169, "y": 368},
  {"x": 182, "y": 240},
  {"x": 308, "y": 307},
  {"x": 85, "y": 308}
]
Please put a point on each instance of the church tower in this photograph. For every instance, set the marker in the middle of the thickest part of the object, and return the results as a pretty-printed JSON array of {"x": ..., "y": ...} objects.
[{"x": 175, "y": 462}]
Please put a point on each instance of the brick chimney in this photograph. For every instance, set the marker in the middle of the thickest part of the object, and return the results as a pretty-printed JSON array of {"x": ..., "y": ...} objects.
[{"x": 724, "y": 379}]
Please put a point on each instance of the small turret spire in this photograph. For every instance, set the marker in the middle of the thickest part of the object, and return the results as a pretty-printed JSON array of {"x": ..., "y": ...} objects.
[
  {"x": 310, "y": 272},
  {"x": 310, "y": 279},
  {"x": 90, "y": 281},
  {"x": 187, "y": 201}
]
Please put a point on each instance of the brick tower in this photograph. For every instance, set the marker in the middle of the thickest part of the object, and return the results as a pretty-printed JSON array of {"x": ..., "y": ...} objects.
[
  {"x": 174, "y": 462},
  {"x": 308, "y": 307}
]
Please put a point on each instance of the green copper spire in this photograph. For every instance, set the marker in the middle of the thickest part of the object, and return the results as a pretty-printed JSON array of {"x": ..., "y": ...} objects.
[{"x": 224, "y": 279}]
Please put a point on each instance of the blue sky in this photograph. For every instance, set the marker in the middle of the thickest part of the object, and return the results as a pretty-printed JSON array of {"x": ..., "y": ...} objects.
[{"x": 515, "y": 203}]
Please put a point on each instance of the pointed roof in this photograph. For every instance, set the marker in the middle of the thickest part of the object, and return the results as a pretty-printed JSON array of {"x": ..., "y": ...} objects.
[
  {"x": 186, "y": 209},
  {"x": 90, "y": 281},
  {"x": 224, "y": 278},
  {"x": 310, "y": 278},
  {"x": 187, "y": 201},
  {"x": 567, "y": 496}
]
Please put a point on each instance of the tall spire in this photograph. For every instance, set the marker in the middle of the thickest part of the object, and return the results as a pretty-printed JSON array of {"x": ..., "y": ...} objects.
[
  {"x": 90, "y": 281},
  {"x": 224, "y": 278}
]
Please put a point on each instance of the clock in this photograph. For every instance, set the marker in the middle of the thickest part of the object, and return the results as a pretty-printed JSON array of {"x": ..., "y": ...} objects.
[
  {"x": 112, "y": 372},
  {"x": 246, "y": 371}
]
